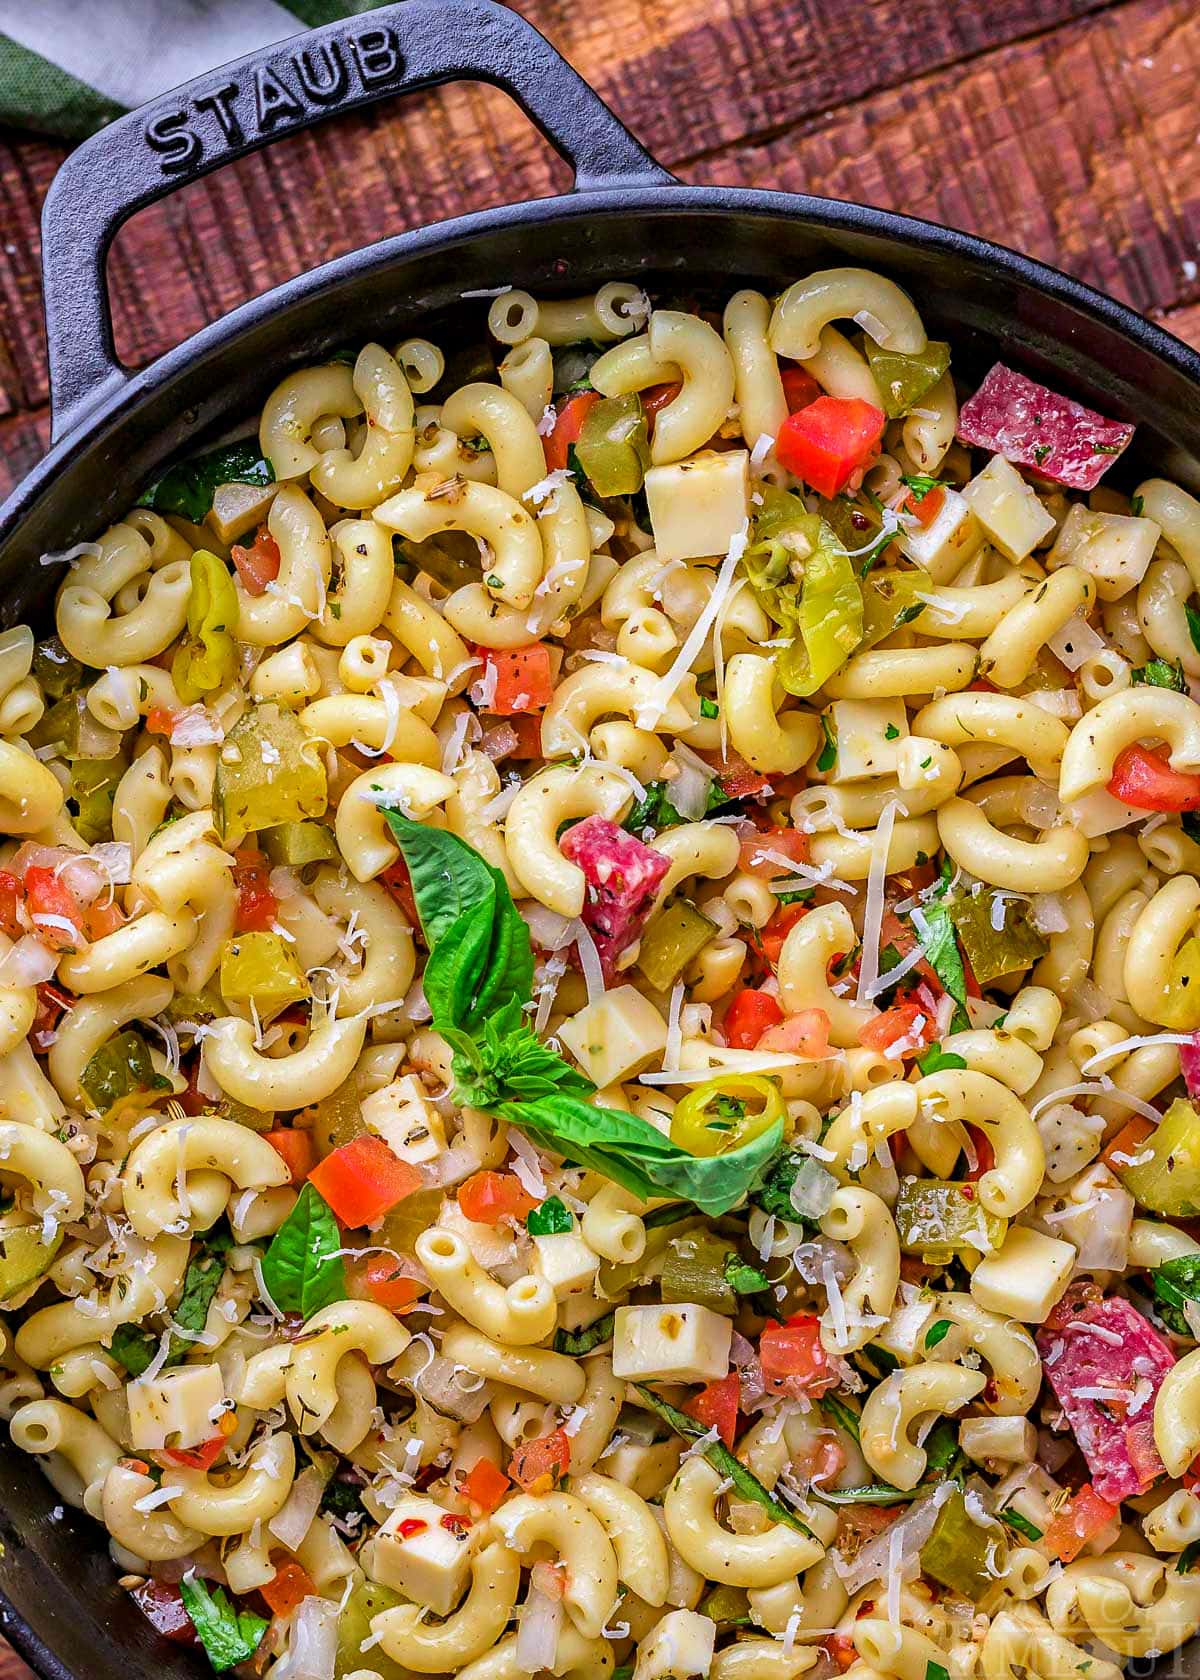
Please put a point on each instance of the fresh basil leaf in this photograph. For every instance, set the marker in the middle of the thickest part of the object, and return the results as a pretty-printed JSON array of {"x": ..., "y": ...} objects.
[
  {"x": 828, "y": 754},
  {"x": 937, "y": 1060},
  {"x": 229, "y": 1636},
  {"x": 744, "y": 1279},
  {"x": 549, "y": 1219},
  {"x": 1193, "y": 624},
  {"x": 1161, "y": 673},
  {"x": 342, "y": 1498},
  {"x": 1189, "y": 822},
  {"x": 774, "y": 1194},
  {"x": 935, "y": 1671},
  {"x": 720, "y": 1457},
  {"x": 1187, "y": 1558},
  {"x": 636, "y": 1155},
  {"x": 302, "y": 1269},
  {"x": 458, "y": 964},
  {"x": 941, "y": 952},
  {"x": 709, "y": 708},
  {"x": 666, "y": 1215},
  {"x": 134, "y": 1347},
  {"x": 840, "y": 1413},
  {"x": 1022, "y": 1525},
  {"x": 1175, "y": 1282},
  {"x": 579, "y": 1342},
  {"x": 448, "y": 876},
  {"x": 187, "y": 488},
  {"x": 942, "y": 1452},
  {"x": 937, "y": 1332}
]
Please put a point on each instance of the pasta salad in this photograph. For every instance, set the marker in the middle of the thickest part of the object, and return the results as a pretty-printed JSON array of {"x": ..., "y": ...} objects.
[{"x": 600, "y": 1014}]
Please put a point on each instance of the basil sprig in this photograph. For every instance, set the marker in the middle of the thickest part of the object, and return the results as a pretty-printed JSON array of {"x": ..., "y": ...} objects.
[
  {"x": 228, "y": 1635},
  {"x": 303, "y": 1268},
  {"x": 187, "y": 489},
  {"x": 478, "y": 982}
]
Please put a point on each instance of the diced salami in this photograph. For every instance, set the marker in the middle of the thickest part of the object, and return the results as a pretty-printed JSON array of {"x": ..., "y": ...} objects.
[
  {"x": 1033, "y": 426},
  {"x": 622, "y": 875},
  {"x": 1106, "y": 1363}
]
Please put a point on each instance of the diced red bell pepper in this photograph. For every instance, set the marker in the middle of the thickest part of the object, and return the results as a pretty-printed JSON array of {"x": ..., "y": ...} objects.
[
  {"x": 396, "y": 880},
  {"x": 52, "y": 1002},
  {"x": 567, "y": 428},
  {"x": 11, "y": 894},
  {"x": 985, "y": 1155},
  {"x": 258, "y": 565},
  {"x": 257, "y": 905},
  {"x": 363, "y": 1180},
  {"x": 799, "y": 387},
  {"x": 163, "y": 1607},
  {"x": 528, "y": 729},
  {"x": 749, "y": 1016},
  {"x": 792, "y": 1358},
  {"x": 290, "y": 1585},
  {"x": 771, "y": 937},
  {"x": 830, "y": 440},
  {"x": 524, "y": 680},
  {"x": 99, "y": 919},
  {"x": 160, "y": 720},
  {"x": 53, "y": 909},
  {"x": 840, "y": 1647},
  {"x": 1083, "y": 1517},
  {"x": 489, "y": 1197},
  {"x": 384, "y": 1283},
  {"x": 204, "y": 1456},
  {"x": 295, "y": 1145},
  {"x": 896, "y": 1025},
  {"x": 622, "y": 876},
  {"x": 806, "y": 1033},
  {"x": 716, "y": 1407},
  {"x": 761, "y": 853},
  {"x": 738, "y": 779},
  {"x": 485, "y": 1485},
  {"x": 657, "y": 397},
  {"x": 926, "y": 507},
  {"x": 1120, "y": 1151},
  {"x": 540, "y": 1465},
  {"x": 1145, "y": 780}
]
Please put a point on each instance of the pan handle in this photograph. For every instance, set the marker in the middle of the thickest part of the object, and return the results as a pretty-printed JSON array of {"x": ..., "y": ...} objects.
[{"x": 280, "y": 89}]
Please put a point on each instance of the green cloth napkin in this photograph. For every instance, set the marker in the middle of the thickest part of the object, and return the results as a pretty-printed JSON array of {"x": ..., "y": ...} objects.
[{"x": 67, "y": 67}]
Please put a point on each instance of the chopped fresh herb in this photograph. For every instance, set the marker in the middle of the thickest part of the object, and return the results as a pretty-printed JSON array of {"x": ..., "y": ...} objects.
[
  {"x": 1161, "y": 673},
  {"x": 873, "y": 1493},
  {"x": 942, "y": 1451},
  {"x": 881, "y": 1362},
  {"x": 1107, "y": 448},
  {"x": 828, "y": 754},
  {"x": 1193, "y": 624},
  {"x": 937, "y": 1060},
  {"x": 937, "y": 1332},
  {"x": 666, "y": 1215},
  {"x": 1021, "y": 1524},
  {"x": 135, "y": 1347},
  {"x": 550, "y": 1219},
  {"x": 342, "y": 1498},
  {"x": 656, "y": 810},
  {"x": 1040, "y": 452},
  {"x": 942, "y": 954},
  {"x": 744, "y": 1279},
  {"x": 1189, "y": 822},
  {"x": 800, "y": 896},
  {"x": 1187, "y": 1558},
  {"x": 229, "y": 1636},
  {"x": 1175, "y": 1282},
  {"x": 891, "y": 733},
  {"x": 579, "y": 1342},
  {"x": 709, "y": 708},
  {"x": 1136, "y": 504},
  {"x": 935, "y": 1671},
  {"x": 920, "y": 484},
  {"x": 841, "y": 1414}
]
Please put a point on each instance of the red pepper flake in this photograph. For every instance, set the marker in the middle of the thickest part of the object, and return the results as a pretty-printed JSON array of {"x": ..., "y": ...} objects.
[{"x": 410, "y": 1526}]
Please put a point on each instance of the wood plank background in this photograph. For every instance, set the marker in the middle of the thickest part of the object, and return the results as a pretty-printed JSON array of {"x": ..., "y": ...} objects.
[{"x": 1066, "y": 128}]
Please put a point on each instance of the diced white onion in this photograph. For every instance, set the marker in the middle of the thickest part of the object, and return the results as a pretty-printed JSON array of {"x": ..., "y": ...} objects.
[
  {"x": 537, "y": 1635},
  {"x": 1075, "y": 643},
  {"x": 28, "y": 963},
  {"x": 689, "y": 789},
  {"x": 1049, "y": 913},
  {"x": 312, "y": 1642}
]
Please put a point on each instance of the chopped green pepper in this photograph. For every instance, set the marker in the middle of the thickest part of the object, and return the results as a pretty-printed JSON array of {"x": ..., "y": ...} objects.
[
  {"x": 207, "y": 659},
  {"x": 726, "y": 1113},
  {"x": 613, "y": 448},
  {"x": 890, "y": 600},
  {"x": 269, "y": 772},
  {"x": 966, "y": 1556},
  {"x": 24, "y": 1257},
  {"x": 299, "y": 843},
  {"x": 118, "y": 1069},
  {"x": 58, "y": 673},
  {"x": 938, "y": 1220},
  {"x": 993, "y": 950},
  {"x": 262, "y": 970},
  {"x": 672, "y": 940},
  {"x": 903, "y": 380},
  {"x": 366, "y": 1601},
  {"x": 1169, "y": 1180},
  {"x": 694, "y": 1269},
  {"x": 730, "y": 1606}
]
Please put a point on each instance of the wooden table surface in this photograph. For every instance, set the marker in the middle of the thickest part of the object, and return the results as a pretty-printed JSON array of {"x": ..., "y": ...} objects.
[{"x": 1066, "y": 128}]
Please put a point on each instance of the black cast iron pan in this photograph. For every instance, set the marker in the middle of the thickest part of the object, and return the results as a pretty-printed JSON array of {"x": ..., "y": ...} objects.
[{"x": 625, "y": 218}]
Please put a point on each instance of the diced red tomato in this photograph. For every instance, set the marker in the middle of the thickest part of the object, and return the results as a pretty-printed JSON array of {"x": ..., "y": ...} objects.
[
  {"x": 295, "y": 1145},
  {"x": 384, "y": 1283},
  {"x": 830, "y": 440},
  {"x": 524, "y": 678},
  {"x": 806, "y": 1033},
  {"x": 567, "y": 428},
  {"x": 771, "y": 937},
  {"x": 11, "y": 894},
  {"x": 488, "y": 1197},
  {"x": 528, "y": 728},
  {"x": 540, "y": 1465},
  {"x": 716, "y": 1407},
  {"x": 52, "y": 1001},
  {"x": 363, "y": 1180},
  {"x": 749, "y": 1016},
  {"x": 1078, "y": 1521},
  {"x": 985, "y": 1155},
  {"x": 799, "y": 387},
  {"x": 290, "y": 1585},
  {"x": 1145, "y": 779},
  {"x": 656, "y": 398},
  {"x": 896, "y": 1025},
  {"x": 1121, "y": 1149},
  {"x": 485, "y": 1485},
  {"x": 841, "y": 1647},
  {"x": 398, "y": 882},
  {"x": 761, "y": 854},
  {"x": 51, "y": 904},
  {"x": 926, "y": 507},
  {"x": 206, "y": 1454},
  {"x": 738, "y": 779},
  {"x": 792, "y": 1358},
  {"x": 160, "y": 720},
  {"x": 99, "y": 919},
  {"x": 163, "y": 1607},
  {"x": 257, "y": 905},
  {"x": 258, "y": 565}
]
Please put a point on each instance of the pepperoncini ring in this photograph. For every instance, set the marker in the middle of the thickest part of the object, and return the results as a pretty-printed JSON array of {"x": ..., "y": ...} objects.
[{"x": 726, "y": 1113}]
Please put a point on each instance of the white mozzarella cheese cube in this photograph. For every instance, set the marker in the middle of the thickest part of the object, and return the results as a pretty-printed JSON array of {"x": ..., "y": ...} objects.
[
  {"x": 619, "y": 1035},
  {"x": 403, "y": 1116},
  {"x": 680, "y": 1646},
  {"x": 868, "y": 734},
  {"x": 1001, "y": 1440},
  {"x": 1113, "y": 548},
  {"x": 1008, "y": 509},
  {"x": 675, "y": 1342},
  {"x": 418, "y": 1555},
  {"x": 698, "y": 506},
  {"x": 944, "y": 546},
  {"x": 1026, "y": 1276},
  {"x": 178, "y": 1409},
  {"x": 566, "y": 1262}
]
